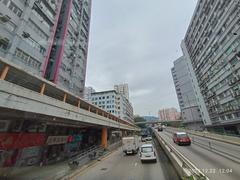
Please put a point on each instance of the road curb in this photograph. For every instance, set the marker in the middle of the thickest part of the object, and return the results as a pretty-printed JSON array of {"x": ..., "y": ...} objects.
[{"x": 92, "y": 164}]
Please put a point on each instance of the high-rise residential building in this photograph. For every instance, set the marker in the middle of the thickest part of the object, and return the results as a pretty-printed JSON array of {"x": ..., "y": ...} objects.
[
  {"x": 48, "y": 38},
  {"x": 187, "y": 99},
  {"x": 114, "y": 103},
  {"x": 169, "y": 114},
  {"x": 66, "y": 60},
  {"x": 87, "y": 93},
  {"x": 212, "y": 50},
  {"x": 122, "y": 89},
  {"x": 26, "y": 30}
]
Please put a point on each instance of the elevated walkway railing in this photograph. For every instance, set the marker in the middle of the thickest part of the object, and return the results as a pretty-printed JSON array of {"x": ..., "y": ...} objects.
[{"x": 16, "y": 75}]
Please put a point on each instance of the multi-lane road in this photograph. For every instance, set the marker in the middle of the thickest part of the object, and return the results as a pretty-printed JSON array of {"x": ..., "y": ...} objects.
[
  {"x": 211, "y": 163},
  {"x": 118, "y": 166},
  {"x": 121, "y": 167}
]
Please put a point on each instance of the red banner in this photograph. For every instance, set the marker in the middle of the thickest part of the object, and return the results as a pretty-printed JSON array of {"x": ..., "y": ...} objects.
[{"x": 21, "y": 140}]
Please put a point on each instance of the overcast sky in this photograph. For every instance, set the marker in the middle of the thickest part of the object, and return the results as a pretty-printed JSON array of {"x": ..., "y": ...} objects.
[{"x": 136, "y": 42}]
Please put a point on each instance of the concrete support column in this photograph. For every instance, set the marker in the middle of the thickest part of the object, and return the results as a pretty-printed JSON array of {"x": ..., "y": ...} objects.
[
  {"x": 4, "y": 72},
  {"x": 104, "y": 137},
  {"x": 79, "y": 103},
  {"x": 43, "y": 88}
]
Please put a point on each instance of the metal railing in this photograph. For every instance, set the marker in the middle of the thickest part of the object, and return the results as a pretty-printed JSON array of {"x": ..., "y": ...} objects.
[
  {"x": 215, "y": 148},
  {"x": 90, "y": 153},
  {"x": 211, "y": 146},
  {"x": 187, "y": 168}
]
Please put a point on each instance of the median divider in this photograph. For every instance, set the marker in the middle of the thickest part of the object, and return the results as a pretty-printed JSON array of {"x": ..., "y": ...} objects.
[
  {"x": 218, "y": 137},
  {"x": 213, "y": 147},
  {"x": 185, "y": 168}
]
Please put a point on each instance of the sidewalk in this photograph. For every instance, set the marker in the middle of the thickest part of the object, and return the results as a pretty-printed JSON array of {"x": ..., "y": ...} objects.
[{"x": 50, "y": 172}]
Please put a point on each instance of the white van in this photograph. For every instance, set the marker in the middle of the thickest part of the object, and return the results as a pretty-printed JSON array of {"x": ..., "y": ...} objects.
[
  {"x": 130, "y": 144},
  {"x": 147, "y": 153}
]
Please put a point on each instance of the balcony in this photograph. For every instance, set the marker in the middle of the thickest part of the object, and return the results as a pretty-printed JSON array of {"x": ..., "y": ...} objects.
[
  {"x": 235, "y": 93},
  {"x": 234, "y": 80},
  {"x": 211, "y": 94}
]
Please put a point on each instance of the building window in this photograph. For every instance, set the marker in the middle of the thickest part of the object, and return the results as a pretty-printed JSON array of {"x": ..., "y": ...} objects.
[
  {"x": 37, "y": 30},
  {"x": 16, "y": 10},
  {"x": 35, "y": 45},
  {"x": 10, "y": 26},
  {"x": 4, "y": 43},
  {"x": 27, "y": 59}
]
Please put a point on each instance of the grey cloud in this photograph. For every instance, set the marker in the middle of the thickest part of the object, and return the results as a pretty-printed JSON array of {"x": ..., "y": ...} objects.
[{"x": 136, "y": 41}]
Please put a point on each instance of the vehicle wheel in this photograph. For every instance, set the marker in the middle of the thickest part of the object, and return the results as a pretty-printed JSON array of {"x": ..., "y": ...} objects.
[{"x": 142, "y": 161}]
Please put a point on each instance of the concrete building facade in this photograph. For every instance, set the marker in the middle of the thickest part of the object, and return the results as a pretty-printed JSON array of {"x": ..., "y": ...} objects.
[
  {"x": 122, "y": 89},
  {"x": 114, "y": 103},
  {"x": 48, "y": 38},
  {"x": 187, "y": 100},
  {"x": 87, "y": 93},
  {"x": 212, "y": 49},
  {"x": 26, "y": 29},
  {"x": 66, "y": 60},
  {"x": 169, "y": 114}
]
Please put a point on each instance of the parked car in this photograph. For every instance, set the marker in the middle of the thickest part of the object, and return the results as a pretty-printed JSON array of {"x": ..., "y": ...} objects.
[
  {"x": 147, "y": 153},
  {"x": 181, "y": 138},
  {"x": 130, "y": 144}
]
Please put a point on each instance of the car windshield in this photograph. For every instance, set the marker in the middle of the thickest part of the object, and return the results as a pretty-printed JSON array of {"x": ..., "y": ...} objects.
[
  {"x": 182, "y": 135},
  {"x": 147, "y": 149}
]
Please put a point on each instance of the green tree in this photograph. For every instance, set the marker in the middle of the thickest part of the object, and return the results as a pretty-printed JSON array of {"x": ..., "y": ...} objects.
[{"x": 140, "y": 119}]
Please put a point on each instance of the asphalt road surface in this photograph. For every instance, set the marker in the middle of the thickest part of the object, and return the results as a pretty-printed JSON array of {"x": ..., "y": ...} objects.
[
  {"x": 213, "y": 165},
  {"x": 121, "y": 167}
]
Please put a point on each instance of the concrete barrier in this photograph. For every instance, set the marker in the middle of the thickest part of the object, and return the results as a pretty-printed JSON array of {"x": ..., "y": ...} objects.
[
  {"x": 185, "y": 168},
  {"x": 223, "y": 138}
]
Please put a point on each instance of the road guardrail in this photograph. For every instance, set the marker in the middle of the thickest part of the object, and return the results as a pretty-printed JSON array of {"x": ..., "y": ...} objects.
[
  {"x": 185, "y": 168},
  {"x": 208, "y": 145}
]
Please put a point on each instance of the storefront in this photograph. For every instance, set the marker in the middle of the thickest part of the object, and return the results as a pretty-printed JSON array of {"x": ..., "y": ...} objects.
[
  {"x": 29, "y": 156},
  {"x": 72, "y": 148},
  {"x": 54, "y": 151},
  {"x": 20, "y": 148}
]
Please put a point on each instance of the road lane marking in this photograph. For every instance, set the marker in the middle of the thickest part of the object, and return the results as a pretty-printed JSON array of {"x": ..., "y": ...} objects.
[{"x": 135, "y": 164}]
